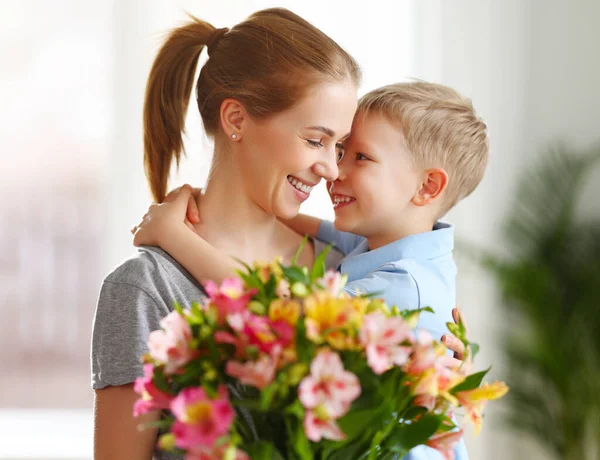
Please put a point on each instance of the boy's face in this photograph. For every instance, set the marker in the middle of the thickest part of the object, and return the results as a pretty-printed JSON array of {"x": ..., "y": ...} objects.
[{"x": 377, "y": 182}]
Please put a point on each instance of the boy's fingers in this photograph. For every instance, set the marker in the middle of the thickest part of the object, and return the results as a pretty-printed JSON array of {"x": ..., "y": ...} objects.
[
  {"x": 455, "y": 345},
  {"x": 192, "y": 210},
  {"x": 172, "y": 195},
  {"x": 183, "y": 197}
]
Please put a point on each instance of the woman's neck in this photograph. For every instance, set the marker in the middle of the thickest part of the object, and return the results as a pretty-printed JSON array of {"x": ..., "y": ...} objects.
[{"x": 231, "y": 221}]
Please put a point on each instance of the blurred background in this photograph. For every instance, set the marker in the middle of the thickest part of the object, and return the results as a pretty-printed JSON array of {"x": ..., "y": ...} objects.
[{"x": 72, "y": 78}]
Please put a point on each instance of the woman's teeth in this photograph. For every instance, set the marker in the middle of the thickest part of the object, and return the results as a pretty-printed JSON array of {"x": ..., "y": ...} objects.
[{"x": 299, "y": 185}]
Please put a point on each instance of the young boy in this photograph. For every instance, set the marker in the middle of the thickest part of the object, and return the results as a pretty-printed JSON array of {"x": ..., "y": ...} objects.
[{"x": 415, "y": 150}]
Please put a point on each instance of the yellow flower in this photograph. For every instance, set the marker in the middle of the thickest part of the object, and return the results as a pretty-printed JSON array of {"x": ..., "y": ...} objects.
[
  {"x": 334, "y": 320},
  {"x": 285, "y": 310},
  {"x": 474, "y": 401},
  {"x": 265, "y": 270}
]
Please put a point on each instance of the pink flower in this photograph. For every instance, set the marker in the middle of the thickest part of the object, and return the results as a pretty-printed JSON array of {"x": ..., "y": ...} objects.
[
  {"x": 259, "y": 374},
  {"x": 424, "y": 355},
  {"x": 200, "y": 420},
  {"x": 317, "y": 428},
  {"x": 382, "y": 336},
  {"x": 151, "y": 397},
  {"x": 171, "y": 345},
  {"x": 283, "y": 289},
  {"x": 333, "y": 282},
  {"x": 267, "y": 334},
  {"x": 329, "y": 387},
  {"x": 230, "y": 297},
  {"x": 444, "y": 443}
]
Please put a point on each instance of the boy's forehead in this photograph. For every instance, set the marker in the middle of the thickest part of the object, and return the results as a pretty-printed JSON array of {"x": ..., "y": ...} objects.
[{"x": 369, "y": 127}]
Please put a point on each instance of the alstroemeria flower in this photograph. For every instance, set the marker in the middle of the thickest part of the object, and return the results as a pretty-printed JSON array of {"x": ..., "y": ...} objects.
[
  {"x": 333, "y": 282},
  {"x": 259, "y": 373},
  {"x": 317, "y": 428},
  {"x": 171, "y": 345},
  {"x": 199, "y": 419},
  {"x": 474, "y": 401},
  {"x": 283, "y": 289},
  {"x": 266, "y": 334},
  {"x": 424, "y": 354},
  {"x": 230, "y": 297},
  {"x": 382, "y": 336},
  {"x": 151, "y": 397},
  {"x": 444, "y": 443},
  {"x": 329, "y": 388},
  {"x": 333, "y": 320},
  {"x": 285, "y": 310}
]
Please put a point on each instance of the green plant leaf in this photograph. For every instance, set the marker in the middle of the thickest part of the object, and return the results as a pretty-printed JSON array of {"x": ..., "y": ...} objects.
[
  {"x": 406, "y": 436},
  {"x": 318, "y": 269},
  {"x": 263, "y": 450},
  {"x": 471, "y": 382}
]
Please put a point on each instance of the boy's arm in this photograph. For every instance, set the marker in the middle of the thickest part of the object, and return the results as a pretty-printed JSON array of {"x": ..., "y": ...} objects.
[
  {"x": 164, "y": 225},
  {"x": 199, "y": 257},
  {"x": 303, "y": 224},
  {"x": 343, "y": 241}
]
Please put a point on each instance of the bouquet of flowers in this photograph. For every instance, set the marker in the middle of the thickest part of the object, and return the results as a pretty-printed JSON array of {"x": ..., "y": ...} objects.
[{"x": 279, "y": 363}]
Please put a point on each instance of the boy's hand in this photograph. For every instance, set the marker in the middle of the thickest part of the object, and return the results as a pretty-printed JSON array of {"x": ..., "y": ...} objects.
[
  {"x": 192, "y": 212},
  {"x": 162, "y": 220},
  {"x": 452, "y": 342}
]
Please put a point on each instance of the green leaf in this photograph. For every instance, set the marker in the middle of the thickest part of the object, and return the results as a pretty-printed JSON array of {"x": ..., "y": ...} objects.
[
  {"x": 406, "y": 436},
  {"x": 298, "y": 440},
  {"x": 319, "y": 267},
  {"x": 305, "y": 349},
  {"x": 471, "y": 382},
  {"x": 295, "y": 274},
  {"x": 267, "y": 395},
  {"x": 263, "y": 450},
  {"x": 474, "y": 349},
  {"x": 299, "y": 250},
  {"x": 160, "y": 381},
  {"x": 354, "y": 423}
]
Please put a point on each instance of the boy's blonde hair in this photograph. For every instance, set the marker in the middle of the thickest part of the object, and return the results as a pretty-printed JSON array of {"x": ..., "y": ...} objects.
[{"x": 441, "y": 130}]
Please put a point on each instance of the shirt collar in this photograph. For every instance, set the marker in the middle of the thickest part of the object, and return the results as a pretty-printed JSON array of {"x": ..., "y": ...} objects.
[{"x": 424, "y": 246}]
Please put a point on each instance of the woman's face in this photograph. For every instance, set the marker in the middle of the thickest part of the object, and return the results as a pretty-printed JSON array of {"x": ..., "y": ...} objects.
[{"x": 283, "y": 157}]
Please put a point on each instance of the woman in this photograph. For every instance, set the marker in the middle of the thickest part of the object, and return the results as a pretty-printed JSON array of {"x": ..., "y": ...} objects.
[{"x": 277, "y": 96}]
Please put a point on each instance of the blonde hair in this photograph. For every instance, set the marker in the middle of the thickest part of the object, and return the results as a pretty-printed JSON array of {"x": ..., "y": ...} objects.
[
  {"x": 266, "y": 62},
  {"x": 441, "y": 130}
]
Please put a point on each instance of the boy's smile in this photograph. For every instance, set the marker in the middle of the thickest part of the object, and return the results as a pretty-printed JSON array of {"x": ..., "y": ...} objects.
[{"x": 377, "y": 181}]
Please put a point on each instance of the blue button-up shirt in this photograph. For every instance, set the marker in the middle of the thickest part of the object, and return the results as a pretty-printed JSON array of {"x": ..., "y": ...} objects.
[{"x": 414, "y": 272}]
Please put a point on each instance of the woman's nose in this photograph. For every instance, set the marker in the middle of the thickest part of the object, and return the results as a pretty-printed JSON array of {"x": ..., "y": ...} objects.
[{"x": 327, "y": 168}]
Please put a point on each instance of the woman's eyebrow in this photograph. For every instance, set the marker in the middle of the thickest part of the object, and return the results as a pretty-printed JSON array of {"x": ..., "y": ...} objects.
[{"x": 323, "y": 129}]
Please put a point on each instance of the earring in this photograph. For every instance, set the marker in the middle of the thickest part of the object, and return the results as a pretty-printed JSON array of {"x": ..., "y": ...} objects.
[{"x": 233, "y": 135}]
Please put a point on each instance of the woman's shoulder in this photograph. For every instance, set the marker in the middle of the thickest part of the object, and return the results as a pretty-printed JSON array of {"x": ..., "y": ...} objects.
[{"x": 155, "y": 272}]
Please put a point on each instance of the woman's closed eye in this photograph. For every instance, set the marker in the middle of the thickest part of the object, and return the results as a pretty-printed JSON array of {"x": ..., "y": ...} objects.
[{"x": 315, "y": 144}]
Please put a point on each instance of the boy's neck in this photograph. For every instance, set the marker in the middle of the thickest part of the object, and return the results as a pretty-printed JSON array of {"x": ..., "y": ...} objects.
[{"x": 389, "y": 236}]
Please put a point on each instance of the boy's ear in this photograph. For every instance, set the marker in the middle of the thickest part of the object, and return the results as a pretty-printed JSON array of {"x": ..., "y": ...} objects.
[
  {"x": 434, "y": 183},
  {"x": 233, "y": 118}
]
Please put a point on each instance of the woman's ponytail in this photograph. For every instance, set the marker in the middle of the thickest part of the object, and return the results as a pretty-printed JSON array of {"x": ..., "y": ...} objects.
[{"x": 166, "y": 102}]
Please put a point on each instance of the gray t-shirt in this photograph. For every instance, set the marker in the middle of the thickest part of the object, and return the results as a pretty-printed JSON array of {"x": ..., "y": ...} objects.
[{"x": 133, "y": 299}]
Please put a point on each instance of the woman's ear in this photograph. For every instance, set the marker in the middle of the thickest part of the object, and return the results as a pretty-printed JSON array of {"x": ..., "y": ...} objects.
[
  {"x": 434, "y": 183},
  {"x": 233, "y": 119}
]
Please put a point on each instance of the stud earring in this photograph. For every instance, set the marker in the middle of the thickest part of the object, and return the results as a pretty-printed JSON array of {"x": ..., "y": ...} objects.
[{"x": 233, "y": 135}]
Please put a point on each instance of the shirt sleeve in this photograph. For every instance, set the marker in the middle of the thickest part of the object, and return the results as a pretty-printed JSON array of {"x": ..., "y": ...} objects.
[
  {"x": 343, "y": 241},
  {"x": 395, "y": 285},
  {"x": 125, "y": 316}
]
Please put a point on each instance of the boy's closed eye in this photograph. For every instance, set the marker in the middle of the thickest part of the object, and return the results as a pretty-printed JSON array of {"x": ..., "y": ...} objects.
[{"x": 362, "y": 157}]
